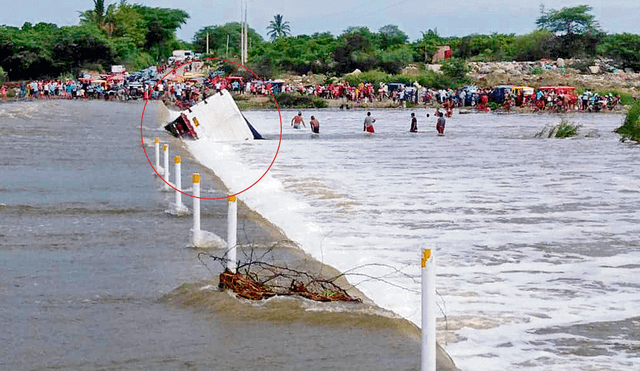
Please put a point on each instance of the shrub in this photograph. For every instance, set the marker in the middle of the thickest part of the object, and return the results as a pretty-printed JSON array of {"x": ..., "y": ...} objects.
[
  {"x": 630, "y": 129},
  {"x": 566, "y": 130},
  {"x": 537, "y": 71},
  {"x": 373, "y": 76}
]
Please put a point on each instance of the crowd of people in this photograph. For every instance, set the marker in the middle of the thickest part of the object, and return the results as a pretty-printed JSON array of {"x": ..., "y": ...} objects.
[
  {"x": 184, "y": 92},
  {"x": 75, "y": 89},
  {"x": 556, "y": 99}
]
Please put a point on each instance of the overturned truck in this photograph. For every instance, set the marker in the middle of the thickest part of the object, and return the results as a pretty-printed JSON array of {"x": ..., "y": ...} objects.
[{"x": 216, "y": 117}]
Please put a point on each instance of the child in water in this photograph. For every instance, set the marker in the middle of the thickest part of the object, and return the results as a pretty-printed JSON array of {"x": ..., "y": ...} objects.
[{"x": 440, "y": 123}]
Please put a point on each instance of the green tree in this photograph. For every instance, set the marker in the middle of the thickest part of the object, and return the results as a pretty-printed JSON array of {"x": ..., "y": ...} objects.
[
  {"x": 568, "y": 20},
  {"x": 355, "y": 49},
  {"x": 577, "y": 32},
  {"x": 161, "y": 25},
  {"x": 78, "y": 47},
  {"x": 494, "y": 47},
  {"x": 95, "y": 15},
  {"x": 456, "y": 69},
  {"x": 278, "y": 28},
  {"x": 102, "y": 17},
  {"x": 300, "y": 54},
  {"x": 27, "y": 52},
  {"x": 130, "y": 24},
  {"x": 624, "y": 49},
  {"x": 533, "y": 46},
  {"x": 427, "y": 46},
  {"x": 218, "y": 36},
  {"x": 393, "y": 60},
  {"x": 390, "y": 36}
]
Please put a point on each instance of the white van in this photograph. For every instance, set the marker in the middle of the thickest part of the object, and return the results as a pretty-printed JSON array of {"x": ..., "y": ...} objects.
[{"x": 181, "y": 55}]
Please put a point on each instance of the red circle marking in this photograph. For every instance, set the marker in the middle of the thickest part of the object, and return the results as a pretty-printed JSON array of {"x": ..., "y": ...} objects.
[{"x": 211, "y": 198}]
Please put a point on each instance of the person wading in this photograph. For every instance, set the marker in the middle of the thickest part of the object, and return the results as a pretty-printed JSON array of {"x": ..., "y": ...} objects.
[
  {"x": 368, "y": 123},
  {"x": 297, "y": 120},
  {"x": 414, "y": 123},
  {"x": 315, "y": 125}
]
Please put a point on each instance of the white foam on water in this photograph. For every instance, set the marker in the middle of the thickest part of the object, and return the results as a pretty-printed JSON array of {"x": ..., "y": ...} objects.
[
  {"x": 529, "y": 234},
  {"x": 209, "y": 240},
  {"x": 178, "y": 210}
]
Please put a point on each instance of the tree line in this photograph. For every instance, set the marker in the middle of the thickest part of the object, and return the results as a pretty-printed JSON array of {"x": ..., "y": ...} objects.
[
  {"x": 139, "y": 36},
  {"x": 130, "y": 34}
]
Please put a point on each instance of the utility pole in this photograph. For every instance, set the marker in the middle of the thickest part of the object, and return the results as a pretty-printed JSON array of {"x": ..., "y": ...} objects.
[
  {"x": 241, "y": 34},
  {"x": 244, "y": 34}
]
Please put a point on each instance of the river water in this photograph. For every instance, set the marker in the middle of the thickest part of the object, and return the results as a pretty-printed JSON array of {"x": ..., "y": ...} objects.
[
  {"x": 89, "y": 250},
  {"x": 536, "y": 239}
]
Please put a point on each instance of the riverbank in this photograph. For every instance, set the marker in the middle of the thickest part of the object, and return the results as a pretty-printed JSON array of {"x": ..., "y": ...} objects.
[{"x": 252, "y": 102}]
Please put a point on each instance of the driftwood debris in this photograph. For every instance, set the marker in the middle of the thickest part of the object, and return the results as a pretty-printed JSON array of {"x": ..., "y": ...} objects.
[
  {"x": 257, "y": 280},
  {"x": 251, "y": 286}
]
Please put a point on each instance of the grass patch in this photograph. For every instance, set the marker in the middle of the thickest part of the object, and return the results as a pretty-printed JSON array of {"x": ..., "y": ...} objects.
[
  {"x": 566, "y": 130},
  {"x": 630, "y": 129}
]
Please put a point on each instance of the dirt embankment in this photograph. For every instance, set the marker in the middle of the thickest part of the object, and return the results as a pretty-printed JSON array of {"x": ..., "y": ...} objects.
[{"x": 550, "y": 73}]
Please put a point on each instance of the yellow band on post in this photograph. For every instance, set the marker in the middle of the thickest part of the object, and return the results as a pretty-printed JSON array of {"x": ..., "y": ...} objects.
[
  {"x": 196, "y": 178},
  {"x": 165, "y": 147},
  {"x": 177, "y": 159},
  {"x": 157, "y": 140},
  {"x": 426, "y": 254},
  {"x": 232, "y": 198}
]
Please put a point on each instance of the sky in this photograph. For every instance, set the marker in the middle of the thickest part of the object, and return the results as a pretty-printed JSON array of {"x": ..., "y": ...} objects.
[{"x": 308, "y": 17}]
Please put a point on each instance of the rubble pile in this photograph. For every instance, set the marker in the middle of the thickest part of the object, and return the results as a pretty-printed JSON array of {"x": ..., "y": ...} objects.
[{"x": 602, "y": 75}]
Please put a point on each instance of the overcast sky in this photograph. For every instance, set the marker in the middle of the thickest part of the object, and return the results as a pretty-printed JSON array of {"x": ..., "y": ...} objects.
[{"x": 450, "y": 18}]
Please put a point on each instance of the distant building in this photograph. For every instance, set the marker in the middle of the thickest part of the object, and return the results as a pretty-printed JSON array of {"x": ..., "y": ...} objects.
[{"x": 444, "y": 52}]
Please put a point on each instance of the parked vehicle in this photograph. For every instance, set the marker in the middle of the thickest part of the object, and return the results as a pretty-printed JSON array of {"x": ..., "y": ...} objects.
[
  {"x": 522, "y": 94},
  {"x": 499, "y": 92},
  {"x": 395, "y": 86}
]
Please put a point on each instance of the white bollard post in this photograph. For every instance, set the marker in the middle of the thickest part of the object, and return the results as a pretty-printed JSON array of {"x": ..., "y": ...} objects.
[
  {"x": 166, "y": 162},
  {"x": 157, "y": 145},
  {"x": 178, "y": 183},
  {"x": 197, "y": 234},
  {"x": 428, "y": 311},
  {"x": 232, "y": 233}
]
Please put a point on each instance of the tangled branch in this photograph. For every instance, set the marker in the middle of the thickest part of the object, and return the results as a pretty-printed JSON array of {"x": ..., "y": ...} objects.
[{"x": 257, "y": 280}]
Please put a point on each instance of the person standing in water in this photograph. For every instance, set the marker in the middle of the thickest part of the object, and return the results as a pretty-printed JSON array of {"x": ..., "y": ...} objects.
[
  {"x": 297, "y": 120},
  {"x": 440, "y": 123},
  {"x": 368, "y": 123},
  {"x": 315, "y": 125},
  {"x": 414, "y": 123}
]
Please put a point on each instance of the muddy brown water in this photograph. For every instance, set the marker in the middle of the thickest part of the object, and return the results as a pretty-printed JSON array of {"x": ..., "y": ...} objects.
[{"x": 96, "y": 275}]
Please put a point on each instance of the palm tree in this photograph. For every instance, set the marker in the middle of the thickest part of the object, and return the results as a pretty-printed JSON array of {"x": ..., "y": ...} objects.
[
  {"x": 277, "y": 28},
  {"x": 101, "y": 17}
]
